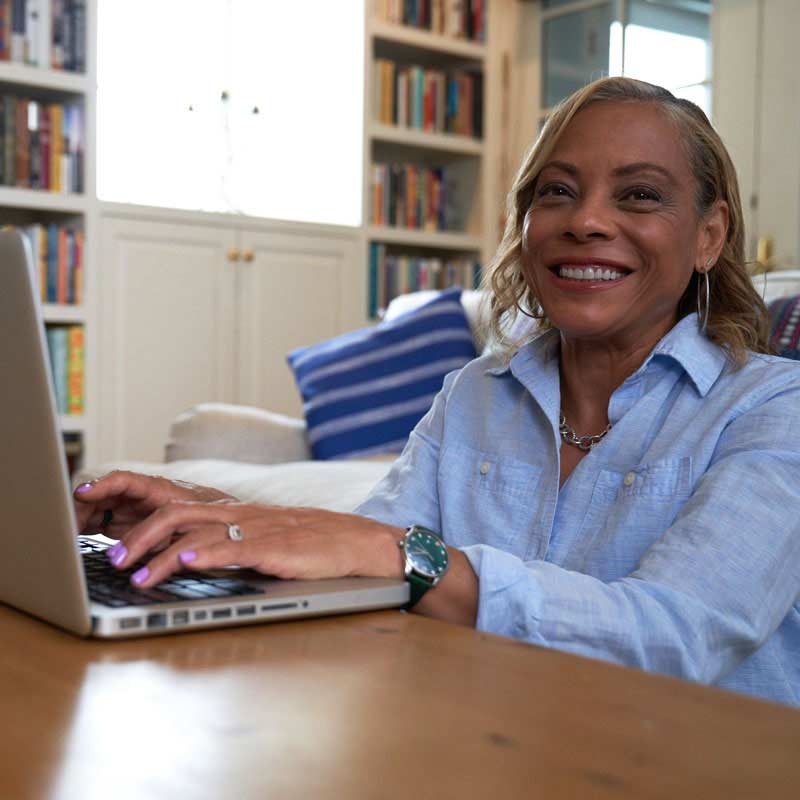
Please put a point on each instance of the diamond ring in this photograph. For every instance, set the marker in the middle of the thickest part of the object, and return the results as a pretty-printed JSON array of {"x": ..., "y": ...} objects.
[{"x": 235, "y": 533}]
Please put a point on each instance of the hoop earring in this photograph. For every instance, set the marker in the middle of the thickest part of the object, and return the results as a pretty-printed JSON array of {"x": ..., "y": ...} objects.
[
  {"x": 538, "y": 315},
  {"x": 703, "y": 315}
]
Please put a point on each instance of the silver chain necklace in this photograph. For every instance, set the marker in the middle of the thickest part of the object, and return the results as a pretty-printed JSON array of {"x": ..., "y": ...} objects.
[{"x": 584, "y": 443}]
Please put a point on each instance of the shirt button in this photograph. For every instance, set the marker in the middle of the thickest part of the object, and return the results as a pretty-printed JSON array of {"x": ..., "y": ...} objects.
[
  {"x": 629, "y": 479},
  {"x": 485, "y": 467}
]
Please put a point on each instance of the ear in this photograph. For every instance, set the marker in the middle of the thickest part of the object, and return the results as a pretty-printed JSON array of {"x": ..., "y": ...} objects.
[{"x": 712, "y": 233}]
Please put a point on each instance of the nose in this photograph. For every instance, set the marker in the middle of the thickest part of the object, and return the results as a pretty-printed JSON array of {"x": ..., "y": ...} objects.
[{"x": 590, "y": 218}]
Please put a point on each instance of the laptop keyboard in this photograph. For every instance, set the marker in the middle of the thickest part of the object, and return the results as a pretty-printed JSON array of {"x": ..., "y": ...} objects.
[{"x": 112, "y": 587}]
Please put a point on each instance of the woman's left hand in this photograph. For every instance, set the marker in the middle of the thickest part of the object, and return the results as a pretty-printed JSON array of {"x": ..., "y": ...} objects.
[{"x": 303, "y": 543}]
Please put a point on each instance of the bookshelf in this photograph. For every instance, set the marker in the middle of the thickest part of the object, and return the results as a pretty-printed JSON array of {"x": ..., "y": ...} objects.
[
  {"x": 47, "y": 78},
  {"x": 425, "y": 113}
]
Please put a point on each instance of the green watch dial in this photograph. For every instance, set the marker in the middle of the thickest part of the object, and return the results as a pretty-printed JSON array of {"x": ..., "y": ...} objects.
[{"x": 425, "y": 553}]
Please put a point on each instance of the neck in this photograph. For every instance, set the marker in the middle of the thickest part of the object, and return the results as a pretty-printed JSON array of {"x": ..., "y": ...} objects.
[{"x": 590, "y": 373}]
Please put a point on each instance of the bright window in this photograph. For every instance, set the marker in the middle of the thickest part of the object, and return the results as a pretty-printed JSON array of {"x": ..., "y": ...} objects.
[
  {"x": 666, "y": 42},
  {"x": 241, "y": 106}
]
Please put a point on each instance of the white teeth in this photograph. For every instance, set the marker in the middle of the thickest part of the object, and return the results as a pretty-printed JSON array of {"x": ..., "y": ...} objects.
[{"x": 590, "y": 273}]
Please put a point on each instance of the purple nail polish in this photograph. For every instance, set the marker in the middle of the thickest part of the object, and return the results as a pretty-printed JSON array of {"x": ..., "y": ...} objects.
[
  {"x": 187, "y": 556},
  {"x": 140, "y": 576},
  {"x": 84, "y": 487},
  {"x": 117, "y": 553}
]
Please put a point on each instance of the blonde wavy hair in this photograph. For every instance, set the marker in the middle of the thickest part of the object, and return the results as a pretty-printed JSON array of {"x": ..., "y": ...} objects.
[{"x": 737, "y": 317}]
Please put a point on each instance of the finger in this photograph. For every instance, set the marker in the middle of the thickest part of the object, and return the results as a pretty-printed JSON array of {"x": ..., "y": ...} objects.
[
  {"x": 168, "y": 561},
  {"x": 176, "y": 516},
  {"x": 121, "y": 484}
]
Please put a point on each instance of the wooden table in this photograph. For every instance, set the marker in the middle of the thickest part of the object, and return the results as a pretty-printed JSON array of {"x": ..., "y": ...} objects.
[{"x": 379, "y": 705}]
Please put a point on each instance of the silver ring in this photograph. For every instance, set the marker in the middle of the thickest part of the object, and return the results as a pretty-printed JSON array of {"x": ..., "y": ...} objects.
[{"x": 235, "y": 533}]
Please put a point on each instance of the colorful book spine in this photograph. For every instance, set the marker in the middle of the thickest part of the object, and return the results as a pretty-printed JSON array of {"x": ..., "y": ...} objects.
[{"x": 75, "y": 369}]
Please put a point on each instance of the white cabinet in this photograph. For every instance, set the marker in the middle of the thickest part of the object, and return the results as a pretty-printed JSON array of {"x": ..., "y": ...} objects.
[
  {"x": 756, "y": 108},
  {"x": 201, "y": 308}
]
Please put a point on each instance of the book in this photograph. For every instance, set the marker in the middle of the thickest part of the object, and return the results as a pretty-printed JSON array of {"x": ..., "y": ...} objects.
[
  {"x": 58, "y": 346},
  {"x": 75, "y": 369}
]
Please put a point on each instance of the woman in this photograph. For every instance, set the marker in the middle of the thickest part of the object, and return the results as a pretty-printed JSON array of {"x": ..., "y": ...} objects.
[{"x": 622, "y": 487}]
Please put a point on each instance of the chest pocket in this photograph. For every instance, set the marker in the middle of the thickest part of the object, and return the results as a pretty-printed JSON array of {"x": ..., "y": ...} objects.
[
  {"x": 629, "y": 511},
  {"x": 486, "y": 498}
]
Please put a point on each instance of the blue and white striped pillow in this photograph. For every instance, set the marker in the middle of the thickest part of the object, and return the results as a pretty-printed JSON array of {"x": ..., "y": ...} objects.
[{"x": 364, "y": 392}]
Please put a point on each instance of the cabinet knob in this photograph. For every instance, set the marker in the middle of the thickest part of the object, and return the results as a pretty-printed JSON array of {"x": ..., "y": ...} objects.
[
  {"x": 248, "y": 255},
  {"x": 233, "y": 254}
]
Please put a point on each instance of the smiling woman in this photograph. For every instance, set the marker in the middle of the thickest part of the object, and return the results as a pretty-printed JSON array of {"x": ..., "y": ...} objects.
[{"x": 622, "y": 484}]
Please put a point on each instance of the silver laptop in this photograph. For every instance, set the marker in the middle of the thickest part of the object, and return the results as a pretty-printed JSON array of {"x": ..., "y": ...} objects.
[{"x": 47, "y": 570}]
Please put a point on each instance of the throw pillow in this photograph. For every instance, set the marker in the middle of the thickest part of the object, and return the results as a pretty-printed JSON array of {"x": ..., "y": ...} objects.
[
  {"x": 363, "y": 392},
  {"x": 784, "y": 317}
]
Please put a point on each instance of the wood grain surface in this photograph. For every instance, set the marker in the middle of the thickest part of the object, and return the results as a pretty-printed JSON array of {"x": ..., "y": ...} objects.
[{"x": 377, "y": 705}]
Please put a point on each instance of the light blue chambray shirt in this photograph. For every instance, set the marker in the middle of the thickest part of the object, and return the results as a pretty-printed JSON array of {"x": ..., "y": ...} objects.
[{"x": 674, "y": 546}]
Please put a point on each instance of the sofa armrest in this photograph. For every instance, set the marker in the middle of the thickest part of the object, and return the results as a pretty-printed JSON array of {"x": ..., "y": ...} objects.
[{"x": 236, "y": 433}]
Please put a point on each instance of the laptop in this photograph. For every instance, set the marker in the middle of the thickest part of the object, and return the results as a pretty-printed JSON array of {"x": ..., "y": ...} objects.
[{"x": 49, "y": 571}]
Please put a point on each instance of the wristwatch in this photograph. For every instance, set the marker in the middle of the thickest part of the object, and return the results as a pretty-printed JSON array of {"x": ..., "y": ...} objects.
[{"x": 426, "y": 558}]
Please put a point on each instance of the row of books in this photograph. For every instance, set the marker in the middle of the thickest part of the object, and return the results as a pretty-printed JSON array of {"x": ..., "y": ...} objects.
[
  {"x": 412, "y": 196},
  {"x": 463, "y": 19},
  {"x": 391, "y": 275},
  {"x": 440, "y": 101},
  {"x": 41, "y": 145},
  {"x": 67, "y": 362},
  {"x": 58, "y": 257},
  {"x": 44, "y": 33}
]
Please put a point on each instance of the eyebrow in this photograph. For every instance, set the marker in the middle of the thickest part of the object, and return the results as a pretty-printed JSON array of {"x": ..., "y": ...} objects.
[{"x": 628, "y": 169}]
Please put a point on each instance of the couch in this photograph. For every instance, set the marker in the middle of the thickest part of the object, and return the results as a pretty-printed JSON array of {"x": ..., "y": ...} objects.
[{"x": 260, "y": 456}]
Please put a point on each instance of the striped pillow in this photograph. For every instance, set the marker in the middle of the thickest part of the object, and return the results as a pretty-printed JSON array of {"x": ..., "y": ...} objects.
[
  {"x": 364, "y": 392},
  {"x": 785, "y": 326}
]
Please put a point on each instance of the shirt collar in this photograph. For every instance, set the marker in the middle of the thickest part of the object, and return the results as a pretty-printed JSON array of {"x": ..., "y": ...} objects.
[{"x": 702, "y": 360}]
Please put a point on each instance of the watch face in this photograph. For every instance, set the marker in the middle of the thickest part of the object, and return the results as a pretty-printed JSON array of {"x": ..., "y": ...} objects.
[{"x": 426, "y": 553}]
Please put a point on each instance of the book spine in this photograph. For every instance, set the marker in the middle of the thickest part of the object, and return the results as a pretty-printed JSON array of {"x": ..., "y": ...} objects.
[
  {"x": 56, "y": 146},
  {"x": 57, "y": 34},
  {"x": 34, "y": 147},
  {"x": 32, "y": 17},
  {"x": 52, "y": 263},
  {"x": 18, "y": 31},
  {"x": 22, "y": 154},
  {"x": 58, "y": 345},
  {"x": 77, "y": 271},
  {"x": 44, "y": 145},
  {"x": 75, "y": 370},
  {"x": 62, "y": 279},
  {"x": 10, "y": 150},
  {"x": 5, "y": 30}
]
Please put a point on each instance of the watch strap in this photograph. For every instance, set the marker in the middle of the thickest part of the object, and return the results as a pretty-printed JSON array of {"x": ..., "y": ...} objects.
[{"x": 417, "y": 586}]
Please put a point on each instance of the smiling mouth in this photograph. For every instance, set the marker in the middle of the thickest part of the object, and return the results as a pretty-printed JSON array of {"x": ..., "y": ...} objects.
[{"x": 596, "y": 272}]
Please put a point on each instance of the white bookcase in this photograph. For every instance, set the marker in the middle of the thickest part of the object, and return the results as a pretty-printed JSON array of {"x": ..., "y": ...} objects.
[
  {"x": 466, "y": 157},
  {"x": 22, "y": 206}
]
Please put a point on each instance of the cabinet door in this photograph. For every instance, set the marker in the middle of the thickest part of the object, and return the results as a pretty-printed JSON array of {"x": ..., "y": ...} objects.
[
  {"x": 167, "y": 321},
  {"x": 757, "y": 112},
  {"x": 299, "y": 288}
]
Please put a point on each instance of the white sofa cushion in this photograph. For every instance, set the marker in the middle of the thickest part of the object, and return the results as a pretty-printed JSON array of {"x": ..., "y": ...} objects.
[{"x": 335, "y": 485}]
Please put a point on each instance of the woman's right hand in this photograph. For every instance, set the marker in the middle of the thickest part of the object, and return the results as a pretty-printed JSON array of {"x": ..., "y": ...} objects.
[{"x": 129, "y": 497}]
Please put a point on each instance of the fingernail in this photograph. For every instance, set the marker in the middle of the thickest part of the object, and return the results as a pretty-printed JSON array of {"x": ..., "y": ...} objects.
[
  {"x": 140, "y": 576},
  {"x": 84, "y": 487},
  {"x": 117, "y": 553},
  {"x": 187, "y": 556}
]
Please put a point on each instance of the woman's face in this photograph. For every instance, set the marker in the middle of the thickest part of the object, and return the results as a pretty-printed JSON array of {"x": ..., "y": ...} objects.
[{"x": 612, "y": 235}]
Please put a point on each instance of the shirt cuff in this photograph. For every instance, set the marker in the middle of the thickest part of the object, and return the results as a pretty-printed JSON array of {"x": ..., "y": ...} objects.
[{"x": 507, "y": 592}]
